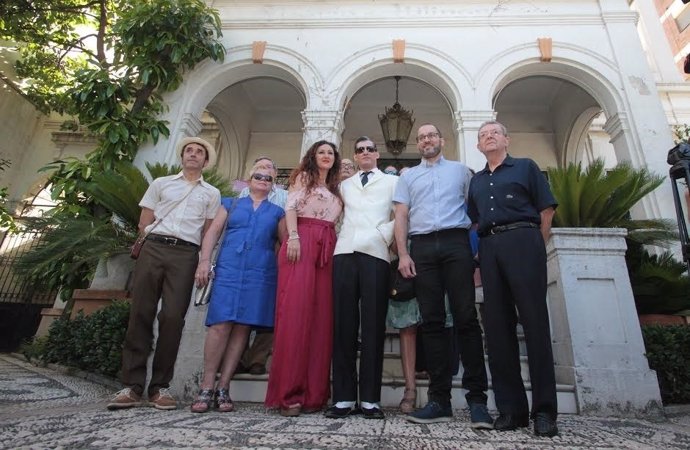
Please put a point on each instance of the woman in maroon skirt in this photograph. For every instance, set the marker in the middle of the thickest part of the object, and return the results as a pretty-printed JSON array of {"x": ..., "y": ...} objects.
[{"x": 303, "y": 340}]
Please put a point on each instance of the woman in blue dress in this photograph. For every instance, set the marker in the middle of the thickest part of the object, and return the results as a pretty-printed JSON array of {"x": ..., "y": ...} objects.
[{"x": 244, "y": 289}]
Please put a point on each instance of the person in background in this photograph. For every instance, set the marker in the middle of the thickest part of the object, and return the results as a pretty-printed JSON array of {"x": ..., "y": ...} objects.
[
  {"x": 244, "y": 286},
  {"x": 299, "y": 376},
  {"x": 347, "y": 169},
  {"x": 255, "y": 356},
  {"x": 512, "y": 205},
  {"x": 390, "y": 170},
  {"x": 176, "y": 211},
  {"x": 430, "y": 210},
  {"x": 360, "y": 285}
]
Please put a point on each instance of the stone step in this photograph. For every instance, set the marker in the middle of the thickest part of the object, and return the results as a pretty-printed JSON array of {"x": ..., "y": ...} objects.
[
  {"x": 392, "y": 367},
  {"x": 252, "y": 388},
  {"x": 392, "y": 342}
]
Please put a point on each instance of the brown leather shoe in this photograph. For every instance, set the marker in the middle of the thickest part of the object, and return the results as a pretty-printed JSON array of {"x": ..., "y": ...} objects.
[
  {"x": 124, "y": 398},
  {"x": 163, "y": 400}
]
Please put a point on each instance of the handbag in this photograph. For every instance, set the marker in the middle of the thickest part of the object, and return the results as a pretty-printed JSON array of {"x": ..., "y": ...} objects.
[
  {"x": 203, "y": 295},
  {"x": 401, "y": 289},
  {"x": 135, "y": 249}
]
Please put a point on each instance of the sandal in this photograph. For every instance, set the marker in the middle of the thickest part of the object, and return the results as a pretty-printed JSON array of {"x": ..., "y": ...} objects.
[
  {"x": 203, "y": 401},
  {"x": 408, "y": 401},
  {"x": 223, "y": 401}
]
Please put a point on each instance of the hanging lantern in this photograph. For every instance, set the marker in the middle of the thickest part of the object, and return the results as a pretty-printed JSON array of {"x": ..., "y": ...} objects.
[{"x": 396, "y": 125}]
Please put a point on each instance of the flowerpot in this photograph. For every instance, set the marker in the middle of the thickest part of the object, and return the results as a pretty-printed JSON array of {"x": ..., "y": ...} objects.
[{"x": 91, "y": 300}]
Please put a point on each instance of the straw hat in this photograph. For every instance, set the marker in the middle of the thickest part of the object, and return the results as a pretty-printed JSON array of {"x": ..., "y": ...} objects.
[{"x": 204, "y": 143}]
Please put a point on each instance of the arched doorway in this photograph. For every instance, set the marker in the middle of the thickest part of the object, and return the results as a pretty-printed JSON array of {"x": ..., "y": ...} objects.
[
  {"x": 259, "y": 116},
  {"x": 553, "y": 121}
]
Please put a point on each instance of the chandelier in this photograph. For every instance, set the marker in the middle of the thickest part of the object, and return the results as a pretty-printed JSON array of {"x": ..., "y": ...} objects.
[{"x": 396, "y": 125}]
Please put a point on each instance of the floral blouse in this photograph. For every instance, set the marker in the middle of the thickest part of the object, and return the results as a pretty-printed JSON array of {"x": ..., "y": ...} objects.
[{"x": 318, "y": 203}]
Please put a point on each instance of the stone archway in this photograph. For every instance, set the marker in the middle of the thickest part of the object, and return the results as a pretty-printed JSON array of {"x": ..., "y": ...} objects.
[
  {"x": 363, "y": 86},
  {"x": 222, "y": 90}
]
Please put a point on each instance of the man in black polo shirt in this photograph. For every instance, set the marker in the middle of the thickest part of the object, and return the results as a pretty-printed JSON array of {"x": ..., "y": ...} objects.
[{"x": 512, "y": 205}]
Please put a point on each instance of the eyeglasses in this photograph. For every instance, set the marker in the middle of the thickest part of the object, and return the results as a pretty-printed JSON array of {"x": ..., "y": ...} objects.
[
  {"x": 391, "y": 172},
  {"x": 359, "y": 150},
  {"x": 262, "y": 177},
  {"x": 486, "y": 134},
  {"x": 429, "y": 136}
]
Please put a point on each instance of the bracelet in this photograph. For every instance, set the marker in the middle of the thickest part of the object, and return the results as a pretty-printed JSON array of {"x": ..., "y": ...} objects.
[
  {"x": 293, "y": 238},
  {"x": 293, "y": 233}
]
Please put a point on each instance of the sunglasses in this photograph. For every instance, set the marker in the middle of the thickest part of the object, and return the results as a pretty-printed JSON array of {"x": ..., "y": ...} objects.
[
  {"x": 262, "y": 177},
  {"x": 359, "y": 150}
]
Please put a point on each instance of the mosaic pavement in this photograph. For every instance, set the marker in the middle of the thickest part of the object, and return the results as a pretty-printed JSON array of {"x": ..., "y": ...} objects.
[{"x": 41, "y": 408}]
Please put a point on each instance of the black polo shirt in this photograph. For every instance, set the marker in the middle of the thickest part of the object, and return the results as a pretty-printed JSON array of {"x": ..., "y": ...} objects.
[{"x": 516, "y": 191}]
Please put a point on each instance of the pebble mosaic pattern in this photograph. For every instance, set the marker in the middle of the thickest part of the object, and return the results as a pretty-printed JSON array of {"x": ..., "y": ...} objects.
[{"x": 40, "y": 408}]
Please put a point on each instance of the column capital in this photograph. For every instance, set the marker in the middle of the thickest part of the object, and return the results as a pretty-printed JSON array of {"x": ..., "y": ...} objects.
[
  {"x": 471, "y": 120},
  {"x": 616, "y": 125},
  {"x": 321, "y": 124}
]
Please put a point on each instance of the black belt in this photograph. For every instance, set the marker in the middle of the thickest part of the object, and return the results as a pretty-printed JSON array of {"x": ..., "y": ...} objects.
[
  {"x": 439, "y": 233},
  {"x": 507, "y": 227},
  {"x": 169, "y": 240}
]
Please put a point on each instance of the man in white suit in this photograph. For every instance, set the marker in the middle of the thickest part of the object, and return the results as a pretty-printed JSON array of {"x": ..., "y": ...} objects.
[{"x": 360, "y": 285}]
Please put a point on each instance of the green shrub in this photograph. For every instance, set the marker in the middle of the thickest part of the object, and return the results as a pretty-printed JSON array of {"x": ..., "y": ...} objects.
[
  {"x": 91, "y": 343},
  {"x": 34, "y": 348},
  {"x": 668, "y": 352}
]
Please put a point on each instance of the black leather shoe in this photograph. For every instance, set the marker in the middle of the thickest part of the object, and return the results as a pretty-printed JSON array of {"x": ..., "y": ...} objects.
[
  {"x": 372, "y": 413},
  {"x": 338, "y": 413},
  {"x": 508, "y": 422},
  {"x": 544, "y": 425}
]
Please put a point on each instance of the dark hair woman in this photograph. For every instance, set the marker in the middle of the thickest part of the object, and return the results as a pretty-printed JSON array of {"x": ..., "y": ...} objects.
[{"x": 300, "y": 369}]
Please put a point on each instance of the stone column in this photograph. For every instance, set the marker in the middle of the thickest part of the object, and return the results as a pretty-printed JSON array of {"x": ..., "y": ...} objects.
[
  {"x": 190, "y": 357},
  {"x": 321, "y": 124},
  {"x": 467, "y": 126},
  {"x": 597, "y": 342}
]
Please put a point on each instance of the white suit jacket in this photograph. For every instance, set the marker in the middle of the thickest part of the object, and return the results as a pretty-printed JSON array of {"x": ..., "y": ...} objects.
[{"x": 367, "y": 225}]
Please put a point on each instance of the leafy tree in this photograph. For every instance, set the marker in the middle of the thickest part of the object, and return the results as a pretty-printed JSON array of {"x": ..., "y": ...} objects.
[
  {"x": 6, "y": 219},
  {"x": 105, "y": 65}
]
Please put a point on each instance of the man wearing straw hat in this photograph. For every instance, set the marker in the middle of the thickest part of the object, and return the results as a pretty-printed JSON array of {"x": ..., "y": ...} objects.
[{"x": 175, "y": 212}]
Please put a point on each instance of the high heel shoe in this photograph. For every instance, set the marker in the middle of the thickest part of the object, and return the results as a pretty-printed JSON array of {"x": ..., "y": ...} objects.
[
  {"x": 407, "y": 404},
  {"x": 203, "y": 401}
]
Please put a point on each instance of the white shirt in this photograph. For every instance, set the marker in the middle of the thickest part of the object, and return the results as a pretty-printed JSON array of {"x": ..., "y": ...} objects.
[{"x": 186, "y": 219}]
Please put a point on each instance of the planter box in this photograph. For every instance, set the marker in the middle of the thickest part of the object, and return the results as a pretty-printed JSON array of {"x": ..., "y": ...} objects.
[
  {"x": 662, "y": 319},
  {"x": 91, "y": 300},
  {"x": 597, "y": 342}
]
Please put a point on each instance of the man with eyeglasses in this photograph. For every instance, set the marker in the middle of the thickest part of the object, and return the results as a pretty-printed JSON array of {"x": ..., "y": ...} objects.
[
  {"x": 347, "y": 169},
  {"x": 360, "y": 285},
  {"x": 255, "y": 356},
  {"x": 512, "y": 204},
  {"x": 430, "y": 210}
]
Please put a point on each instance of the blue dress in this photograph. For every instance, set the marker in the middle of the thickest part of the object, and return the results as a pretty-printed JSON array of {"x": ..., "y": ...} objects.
[{"x": 244, "y": 289}]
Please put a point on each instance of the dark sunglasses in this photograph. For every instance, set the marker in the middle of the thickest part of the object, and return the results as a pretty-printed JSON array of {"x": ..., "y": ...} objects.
[
  {"x": 262, "y": 177},
  {"x": 359, "y": 150}
]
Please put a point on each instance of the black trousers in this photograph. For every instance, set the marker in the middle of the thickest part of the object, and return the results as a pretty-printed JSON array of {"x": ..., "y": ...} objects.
[
  {"x": 514, "y": 276},
  {"x": 161, "y": 272},
  {"x": 360, "y": 296},
  {"x": 443, "y": 261}
]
